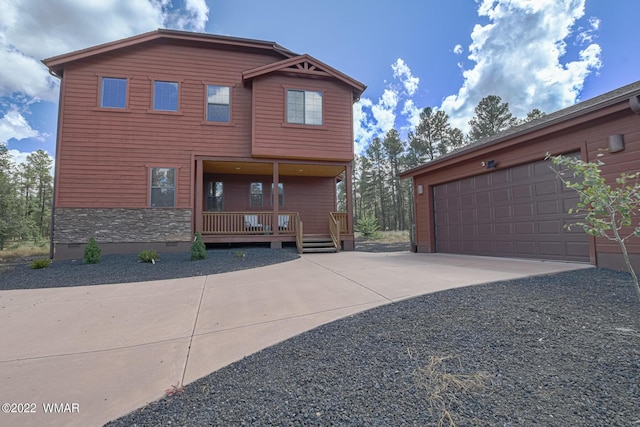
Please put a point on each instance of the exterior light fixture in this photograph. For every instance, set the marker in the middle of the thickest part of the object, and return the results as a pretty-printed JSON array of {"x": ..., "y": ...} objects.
[
  {"x": 616, "y": 143},
  {"x": 420, "y": 189}
]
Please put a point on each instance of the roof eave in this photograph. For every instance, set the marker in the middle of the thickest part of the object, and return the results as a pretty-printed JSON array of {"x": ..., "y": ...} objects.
[
  {"x": 544, "y": 124},
  {"x": 58, "y": 62}
]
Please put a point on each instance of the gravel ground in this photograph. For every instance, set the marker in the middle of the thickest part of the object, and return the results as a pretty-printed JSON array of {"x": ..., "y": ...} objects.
[
  {"x": 556, "y": 350},
  {"x": 127, "y": 268}
]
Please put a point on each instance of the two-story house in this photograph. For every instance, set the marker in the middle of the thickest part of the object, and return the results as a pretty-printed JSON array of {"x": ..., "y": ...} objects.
[{"x": 167, "y": 133}]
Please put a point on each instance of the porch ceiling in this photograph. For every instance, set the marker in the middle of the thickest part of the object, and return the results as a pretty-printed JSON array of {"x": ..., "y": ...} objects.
[{"x": 266, "y": 168}]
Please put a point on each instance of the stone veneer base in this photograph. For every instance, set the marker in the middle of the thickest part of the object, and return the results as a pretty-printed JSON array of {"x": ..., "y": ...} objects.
[{"x": 121, "y": 230}]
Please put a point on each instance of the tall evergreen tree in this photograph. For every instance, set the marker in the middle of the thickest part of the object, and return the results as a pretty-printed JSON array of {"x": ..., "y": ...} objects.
[
  {"x": 393, "y": 149},
  {"x": 9, "y": 209},
  {"x": 534, "y": 114},
  {"x": 492, "y": 116},
  {"x": 39, "y": 165},
  {"x": 375, "y": 155},
  {"x": 433, "y": 137}
]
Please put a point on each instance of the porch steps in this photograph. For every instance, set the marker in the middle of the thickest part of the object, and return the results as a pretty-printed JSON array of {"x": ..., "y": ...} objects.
[{"x": 315, "y": 243}]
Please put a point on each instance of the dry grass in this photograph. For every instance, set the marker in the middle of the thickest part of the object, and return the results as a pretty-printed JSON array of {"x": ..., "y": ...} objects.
[
  {"x": 388, "y": 236},
  {"x": 17, "y": 252},
  {"x": 444, "y": 388}
]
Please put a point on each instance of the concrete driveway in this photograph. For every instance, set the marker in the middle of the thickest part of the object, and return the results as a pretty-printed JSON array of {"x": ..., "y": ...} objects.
[{"x": 100, "y": 352}]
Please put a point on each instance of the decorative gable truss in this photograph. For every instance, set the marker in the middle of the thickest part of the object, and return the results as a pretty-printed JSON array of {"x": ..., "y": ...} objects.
[{"x": 305, "y": 65}]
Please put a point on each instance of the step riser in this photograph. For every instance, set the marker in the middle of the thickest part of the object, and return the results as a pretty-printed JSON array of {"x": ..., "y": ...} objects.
[{"x": 317, "y": 244}]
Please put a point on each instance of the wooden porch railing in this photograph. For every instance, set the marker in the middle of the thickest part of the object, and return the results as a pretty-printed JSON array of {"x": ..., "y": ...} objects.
[
  {"x": 334, "y": 230},
  {"x": 342, "y": 218},
  {"x": 249, "y": 223}
]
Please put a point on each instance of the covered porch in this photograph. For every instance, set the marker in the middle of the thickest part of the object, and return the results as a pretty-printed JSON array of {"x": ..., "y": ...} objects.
[{"x": 272, "y": 201}]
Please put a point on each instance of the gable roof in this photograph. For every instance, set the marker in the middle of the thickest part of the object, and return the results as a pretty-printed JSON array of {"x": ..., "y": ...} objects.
[
  {"x": 629, "y": 93},
  {"x": 56, "y": 63},
  {"x": 308, "y": 66}
]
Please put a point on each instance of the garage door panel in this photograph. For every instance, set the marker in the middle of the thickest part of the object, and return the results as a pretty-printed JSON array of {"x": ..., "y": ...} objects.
[
  {"x": 550, "y": 207},
  {"x": 502, "y": 229},
  {"x": 528, "y": 248},
  {"x": 550, "y": 227},
  {"x": 502, "y": 212},
  {"x": 543, "y": 188},
  {"x": 516, "y": 212},
  {"x": 524, "y": 228},
  {"x": 522, "y": 191},
  {"x": 501, "y": 195},
  {"x": 506, "y": 248},
  {"x": 523, "y": 210},
  {"x": 576, "y": 249}
]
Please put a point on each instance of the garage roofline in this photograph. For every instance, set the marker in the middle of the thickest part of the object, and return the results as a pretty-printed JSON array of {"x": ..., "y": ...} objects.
[{"x": 630, "y": 93}]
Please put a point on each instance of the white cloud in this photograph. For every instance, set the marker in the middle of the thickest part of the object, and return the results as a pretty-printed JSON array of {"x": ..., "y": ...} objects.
[
  {"x": 31, "y": 30},
  {"x": 14, "y": 125},
  {"x": 402, "y": 72},
  {"x": 458, "y": 49},
  {"x": 519, "y": 54},
  {"x": 412, "y": 113},
  {"x": 375, "y": 120}
]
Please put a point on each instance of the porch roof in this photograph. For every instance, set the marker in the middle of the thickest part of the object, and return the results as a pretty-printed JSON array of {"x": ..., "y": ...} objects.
[{"x": 266, "y": 168}]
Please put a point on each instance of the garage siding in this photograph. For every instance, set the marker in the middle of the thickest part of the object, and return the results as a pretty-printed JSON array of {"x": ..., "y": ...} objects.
[{"x": 516, "y": 212}]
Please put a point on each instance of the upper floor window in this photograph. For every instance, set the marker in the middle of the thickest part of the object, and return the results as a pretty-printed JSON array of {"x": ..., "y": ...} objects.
[
  {"x": 163, "y": 187},
  {"x": 304, "y": 107},
  {"x": 218, "y": 104},
  {"x": 165, "y": 96},
  {"x": 255, "y": 196},
  {"x": 113, "y": 93}
]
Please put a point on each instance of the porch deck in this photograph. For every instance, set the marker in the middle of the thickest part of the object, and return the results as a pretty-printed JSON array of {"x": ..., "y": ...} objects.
[{"x": 260, "y": 227}]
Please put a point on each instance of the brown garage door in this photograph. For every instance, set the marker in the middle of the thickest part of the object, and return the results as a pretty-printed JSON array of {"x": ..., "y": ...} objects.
[{"x": 517, "y": 212}]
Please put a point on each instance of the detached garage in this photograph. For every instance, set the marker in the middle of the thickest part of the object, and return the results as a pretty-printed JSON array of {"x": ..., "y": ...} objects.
[{"x": 499, "y": 197}]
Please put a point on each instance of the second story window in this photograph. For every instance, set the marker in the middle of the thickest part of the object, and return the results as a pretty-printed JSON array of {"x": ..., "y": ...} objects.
[
  {"x": 165, "y": 96},
  {"x": 304, "y": 107},
  {"x": 113, "y": 93},
  {"x": 218, "y": 104}
]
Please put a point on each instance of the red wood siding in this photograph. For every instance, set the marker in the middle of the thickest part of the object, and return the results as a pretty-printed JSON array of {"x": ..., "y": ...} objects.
[
  {"x": 104, "y": 155},
  {"x": 314, "y": 211},
  {"x": 588, "y": 134},
  {"x": 273, "y": 137}
]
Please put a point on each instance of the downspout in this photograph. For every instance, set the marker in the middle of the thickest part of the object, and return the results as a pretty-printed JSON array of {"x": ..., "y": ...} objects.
[{"x": 55, "y": 167}]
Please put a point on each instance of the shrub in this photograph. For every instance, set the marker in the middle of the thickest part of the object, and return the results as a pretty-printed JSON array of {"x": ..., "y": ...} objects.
[
  {"x": 368, "y": 226},
  {"x": 91, "y": 252},
  {"x": 148, "y": 256},
  {"x": 607, "y": 211},
  {"x": 198, "y": 249},
  {"x": 41, "y": 263}
]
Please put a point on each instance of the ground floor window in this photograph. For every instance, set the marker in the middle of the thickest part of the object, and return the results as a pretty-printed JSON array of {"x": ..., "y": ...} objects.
[
  {"x": 215, "y": 196},
  {"x": 163, "y": 188},
  {"x": 255, "y": 195}
]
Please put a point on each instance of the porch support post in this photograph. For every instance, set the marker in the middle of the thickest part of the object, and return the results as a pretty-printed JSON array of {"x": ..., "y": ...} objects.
[
  {"x": 276, "y": 207},
  {"x": 199, "y": 194},
  {"x": 349, "y": 191}
]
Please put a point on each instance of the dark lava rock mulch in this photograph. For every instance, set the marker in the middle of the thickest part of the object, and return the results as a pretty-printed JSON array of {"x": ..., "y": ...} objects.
[
  {"x": 557, "y": 350},
  {"x": 127, "y": 268}
]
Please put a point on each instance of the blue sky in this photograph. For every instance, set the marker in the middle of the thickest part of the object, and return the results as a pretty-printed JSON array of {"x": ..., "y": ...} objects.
[{"x": 546, "y": 54}]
